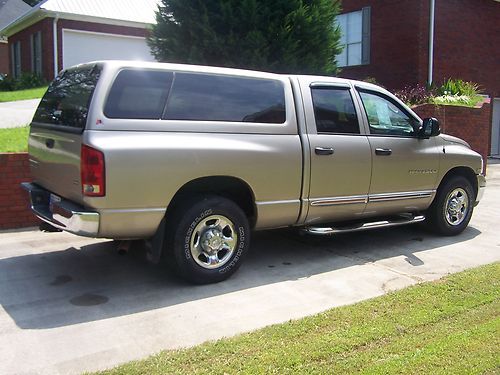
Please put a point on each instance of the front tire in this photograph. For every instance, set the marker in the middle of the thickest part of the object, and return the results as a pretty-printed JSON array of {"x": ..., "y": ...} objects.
[
  {"x": 208, "y": 240},
  {"x": 452, "y": 208}
]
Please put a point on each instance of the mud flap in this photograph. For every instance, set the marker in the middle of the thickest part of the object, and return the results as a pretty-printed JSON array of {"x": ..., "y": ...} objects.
[{"x": 156, "y": 243}]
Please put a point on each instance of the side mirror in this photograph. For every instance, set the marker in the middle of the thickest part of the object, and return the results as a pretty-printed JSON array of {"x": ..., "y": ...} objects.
[{"x": 429, "y": 128}]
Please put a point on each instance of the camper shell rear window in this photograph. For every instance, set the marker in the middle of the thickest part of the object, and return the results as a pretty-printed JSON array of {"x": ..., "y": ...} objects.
[{"x": 66, "y": 102}]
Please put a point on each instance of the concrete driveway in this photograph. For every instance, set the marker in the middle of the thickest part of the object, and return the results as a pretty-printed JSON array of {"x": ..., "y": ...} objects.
[
  {"x": 70, "y": 304},
  {"x": 18, "y": 113}
]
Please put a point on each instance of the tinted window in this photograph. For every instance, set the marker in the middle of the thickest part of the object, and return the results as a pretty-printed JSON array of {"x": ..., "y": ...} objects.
[
  {"x": 223, "y": 98},
  {"x": 386, "y": 116},
  {"x": 334, "y": 111},
  {"x": 67, "y": 99},
  {"x": 138, "y": 94}
]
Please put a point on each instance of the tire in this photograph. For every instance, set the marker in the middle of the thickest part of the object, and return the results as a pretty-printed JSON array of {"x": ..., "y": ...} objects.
[
  {"x": 208, "y": 239},
  {"x": 451, "y": 210}
]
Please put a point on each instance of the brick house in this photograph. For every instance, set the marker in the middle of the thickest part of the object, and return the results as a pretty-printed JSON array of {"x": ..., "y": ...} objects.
[
  {"x": 407, "y": 42},
  {"x": 57, "y": 34},
  {"x": 9, "y": 11}
]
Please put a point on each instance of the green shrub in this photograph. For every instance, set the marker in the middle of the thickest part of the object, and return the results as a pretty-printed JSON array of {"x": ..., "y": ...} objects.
[
  {"x": 25, "y": 81},
  {"x": 451, "y": 92},
  {"x": 457, "y": 92},
  {"x": 414, "y": 95},
  {"x": 458, "y": 87},
  {"x": 463, "y": 100},
  {"x": 373, "y": 81}
]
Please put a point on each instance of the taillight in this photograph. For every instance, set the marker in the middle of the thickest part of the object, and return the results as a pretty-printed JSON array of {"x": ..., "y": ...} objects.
[{"x": 92, "y": 172}]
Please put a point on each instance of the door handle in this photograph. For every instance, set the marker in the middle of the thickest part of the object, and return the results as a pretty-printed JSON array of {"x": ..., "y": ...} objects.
[
  {"x": 383, "y": 151},
  {"x": 323, "y": 150},
  {"x": 49, "y": 143}
]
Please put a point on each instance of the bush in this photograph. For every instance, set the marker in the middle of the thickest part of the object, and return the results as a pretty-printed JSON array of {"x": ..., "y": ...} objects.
[
  {"x": 373, "y": 81},
  {"x": 458, "y": 87},
  {"x": 458, "y": 92},
  {"x": 451, "y": 92},
  {"x": 7, "y": 83},
  {"x": 464, "y": 100},
  {"x": 25, "y": 81},
  {"x": 413, "y": 95}
]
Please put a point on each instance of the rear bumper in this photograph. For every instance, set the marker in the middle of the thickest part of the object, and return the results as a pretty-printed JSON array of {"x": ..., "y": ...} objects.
[
  {"x": 63, "y": 214},
  {"x": 481, "y": 186}
]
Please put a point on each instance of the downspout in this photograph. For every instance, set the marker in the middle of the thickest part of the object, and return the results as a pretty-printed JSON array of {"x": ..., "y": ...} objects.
[
  {"x": 56, "y": 54},
  {"x": 431, "y": 41}
]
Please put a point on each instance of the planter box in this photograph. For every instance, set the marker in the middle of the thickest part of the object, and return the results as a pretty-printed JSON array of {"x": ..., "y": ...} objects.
[
  {"x": 15, "y": 209},
  {"x": 473, "y": 125}
]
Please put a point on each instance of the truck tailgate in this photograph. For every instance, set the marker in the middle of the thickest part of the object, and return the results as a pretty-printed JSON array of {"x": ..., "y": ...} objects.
[
  {"x": 58, "y": 128},
  {"x": 55, "y": 162}
]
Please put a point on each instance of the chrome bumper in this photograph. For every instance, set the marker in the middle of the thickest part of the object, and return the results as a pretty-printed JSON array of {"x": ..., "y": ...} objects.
[
  {"x": 64, "y": 215},
  {"x": 481, "y": 186}
]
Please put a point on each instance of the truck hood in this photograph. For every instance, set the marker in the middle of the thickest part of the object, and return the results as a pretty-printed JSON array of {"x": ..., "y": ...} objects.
[{"x": 451, "y": 139}]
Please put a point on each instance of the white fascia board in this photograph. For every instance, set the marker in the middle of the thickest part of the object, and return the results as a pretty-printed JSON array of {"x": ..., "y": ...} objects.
[{"x": 101, "y": 20}]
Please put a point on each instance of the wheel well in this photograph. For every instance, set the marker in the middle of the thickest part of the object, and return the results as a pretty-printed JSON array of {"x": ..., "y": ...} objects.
[
  {"x": 464, "y": 172},
  {"x": 228, "y": 187}
]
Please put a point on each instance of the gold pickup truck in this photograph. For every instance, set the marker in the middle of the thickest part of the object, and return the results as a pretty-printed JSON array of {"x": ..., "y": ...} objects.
[{"x": 193, "y": 158}]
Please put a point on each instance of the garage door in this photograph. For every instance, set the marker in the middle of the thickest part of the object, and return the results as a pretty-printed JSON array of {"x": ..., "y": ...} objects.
[{"x": 80, "y": 47}]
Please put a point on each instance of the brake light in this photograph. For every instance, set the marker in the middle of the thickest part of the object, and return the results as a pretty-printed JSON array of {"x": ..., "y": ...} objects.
[{"x": 92, "y": 172}]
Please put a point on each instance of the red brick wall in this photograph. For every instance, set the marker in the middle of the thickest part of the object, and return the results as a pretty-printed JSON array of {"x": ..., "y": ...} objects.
[
  {"x": 46, "y": 27},
  {"x": 466, "y": 42},
  {"x": 397, "y": 31},
  {"x": 471, "y": 124},
  {"x": 4, "y": 58},
  {"x": 14, "y": 203},
  {"x": 24, "y": 36}
]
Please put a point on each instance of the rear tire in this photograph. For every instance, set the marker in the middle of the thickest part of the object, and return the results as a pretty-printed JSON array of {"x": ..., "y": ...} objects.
[
  {"x": 207, "y": 239},
  {"x": 452, "y": 208}
]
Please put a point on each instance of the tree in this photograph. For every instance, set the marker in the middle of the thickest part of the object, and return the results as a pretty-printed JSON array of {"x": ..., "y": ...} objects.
[{"x": 283, "y": 36}]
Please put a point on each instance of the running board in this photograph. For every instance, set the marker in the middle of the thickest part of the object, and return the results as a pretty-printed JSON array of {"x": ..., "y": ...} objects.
[{"x": 322, "y": 231}]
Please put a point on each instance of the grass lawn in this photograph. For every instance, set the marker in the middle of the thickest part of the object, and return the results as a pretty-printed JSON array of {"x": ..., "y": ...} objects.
[
  {"x": 10, "y": 96},
  {"x": 14, "y": 139},
  {"x": 451, "y": 326}
]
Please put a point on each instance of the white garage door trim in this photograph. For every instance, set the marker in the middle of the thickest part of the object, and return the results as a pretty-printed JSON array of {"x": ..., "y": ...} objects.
[{"x": 79, "y": 46}]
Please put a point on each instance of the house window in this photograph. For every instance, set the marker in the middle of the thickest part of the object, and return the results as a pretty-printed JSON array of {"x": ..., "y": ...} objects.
[
  {"x": 355, "y": 28},
  {"x": 15, "y": 53},
  {"x": 36, "y": 53}
]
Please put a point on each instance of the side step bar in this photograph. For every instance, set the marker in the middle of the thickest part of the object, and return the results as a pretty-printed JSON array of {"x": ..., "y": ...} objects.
[{"x": 394, "y": 221}]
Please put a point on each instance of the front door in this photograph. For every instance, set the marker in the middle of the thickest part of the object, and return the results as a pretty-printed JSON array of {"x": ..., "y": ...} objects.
[
  {"x": 340, "y": 158},
  {"x": 404, "y": 172}
]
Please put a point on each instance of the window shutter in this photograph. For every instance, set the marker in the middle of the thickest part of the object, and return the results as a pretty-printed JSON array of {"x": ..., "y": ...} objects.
[
  {"x": 16, "y": 59},
  {"x": 38, "y": 55},
  {"x": 365, "y": 41},
  {"x": 13, "y": 59}
]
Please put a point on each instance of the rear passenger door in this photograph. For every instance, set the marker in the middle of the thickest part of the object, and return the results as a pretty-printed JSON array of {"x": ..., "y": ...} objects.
[{"x": 339, "y": 154}]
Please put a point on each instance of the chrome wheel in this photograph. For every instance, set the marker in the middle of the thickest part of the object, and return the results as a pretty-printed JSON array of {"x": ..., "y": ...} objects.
[
  {"x": 213, "y": 241},
  {"x": 456, "y": 207}
]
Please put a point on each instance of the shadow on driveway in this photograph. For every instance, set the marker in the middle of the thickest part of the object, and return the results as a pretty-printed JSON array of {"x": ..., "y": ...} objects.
[{"x": 73, "y": 286}]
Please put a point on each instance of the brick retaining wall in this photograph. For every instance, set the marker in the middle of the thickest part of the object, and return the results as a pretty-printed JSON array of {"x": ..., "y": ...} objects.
[
  {"x": 471, "y": 124},
  {"x": 14, "y": 203}
]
